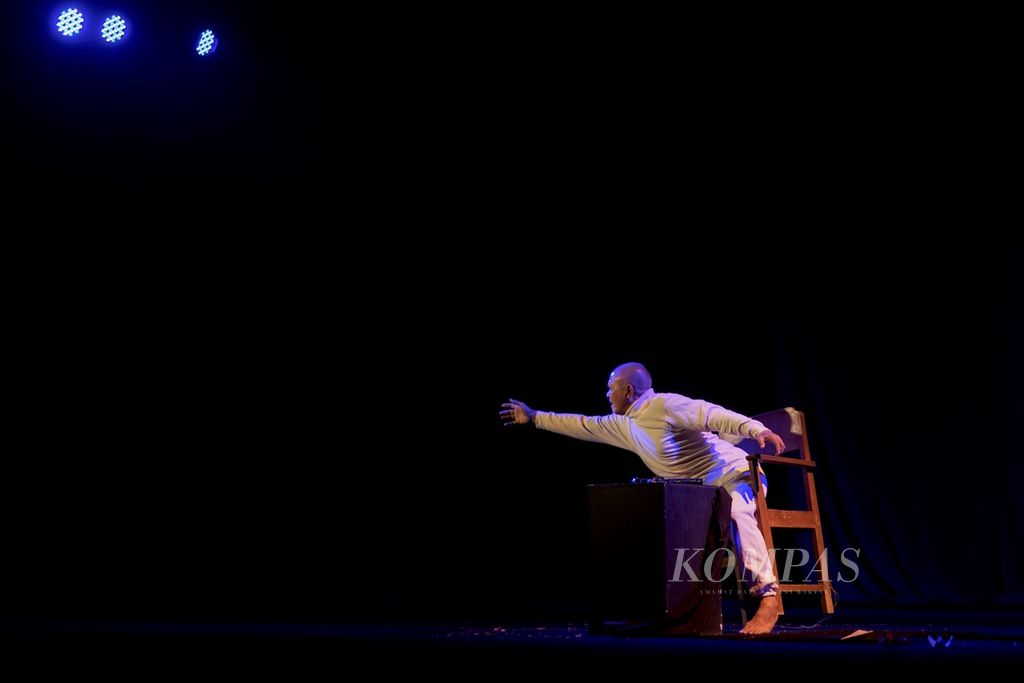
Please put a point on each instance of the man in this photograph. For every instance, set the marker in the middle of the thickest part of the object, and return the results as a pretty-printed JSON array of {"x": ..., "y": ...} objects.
[{"x": 674, "y": 437}]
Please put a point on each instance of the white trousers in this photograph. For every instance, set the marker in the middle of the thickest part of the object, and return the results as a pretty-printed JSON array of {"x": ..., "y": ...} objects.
[{"x": 751, "y": 549}]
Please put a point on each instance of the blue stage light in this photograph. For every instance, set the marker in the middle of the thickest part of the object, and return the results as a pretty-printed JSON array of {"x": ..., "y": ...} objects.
[
  {"x": 70, "y": 22},
  {"x": 207, "y": 43},
  {"x": 114, "y": 29}
]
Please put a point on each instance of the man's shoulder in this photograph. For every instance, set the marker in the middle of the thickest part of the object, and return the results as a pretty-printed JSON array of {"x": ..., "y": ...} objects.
[
  {"x": 677, "y": 403},
  {"x": 666, "y": 401},
  {"x": 670, "y": 397}
]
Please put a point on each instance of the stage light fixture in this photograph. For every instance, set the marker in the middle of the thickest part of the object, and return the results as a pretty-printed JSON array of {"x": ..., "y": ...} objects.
[
  {"x": 207, "y": 44},
  {"x": 114, "y": 28},
  {"x": 70, "y": 22}
]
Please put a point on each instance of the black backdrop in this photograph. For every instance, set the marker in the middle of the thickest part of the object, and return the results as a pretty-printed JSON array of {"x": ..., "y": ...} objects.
[{"x": 267, "y": 388}]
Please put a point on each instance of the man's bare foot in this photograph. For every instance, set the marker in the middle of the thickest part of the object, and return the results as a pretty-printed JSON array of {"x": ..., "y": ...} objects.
[{"x": 765, "y": 617}]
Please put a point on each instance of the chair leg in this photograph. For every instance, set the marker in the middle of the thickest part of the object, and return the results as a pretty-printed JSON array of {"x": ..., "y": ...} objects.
[{"x": 818, "y": 542}]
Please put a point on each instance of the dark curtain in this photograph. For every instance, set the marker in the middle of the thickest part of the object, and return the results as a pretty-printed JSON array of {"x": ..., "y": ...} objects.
[{"x": 267, "y": 385}]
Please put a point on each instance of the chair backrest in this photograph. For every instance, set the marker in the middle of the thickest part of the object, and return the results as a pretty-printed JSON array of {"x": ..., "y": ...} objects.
[{"x": 788, "y": 423}]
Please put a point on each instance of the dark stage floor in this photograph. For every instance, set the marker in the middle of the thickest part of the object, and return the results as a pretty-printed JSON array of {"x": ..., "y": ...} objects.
[{"x": 933, "y": 642}]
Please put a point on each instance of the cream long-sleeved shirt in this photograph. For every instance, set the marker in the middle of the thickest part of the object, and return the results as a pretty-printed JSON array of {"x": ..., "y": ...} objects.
[{"x": 671, "y": 433}]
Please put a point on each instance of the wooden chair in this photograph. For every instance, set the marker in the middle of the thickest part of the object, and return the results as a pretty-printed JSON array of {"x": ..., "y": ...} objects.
[{"x": 789, "y": 424}]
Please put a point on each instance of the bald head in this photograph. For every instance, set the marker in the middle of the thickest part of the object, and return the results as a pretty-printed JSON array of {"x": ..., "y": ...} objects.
[
  {"x": 635, "y": 374},
  {"x": 625, "y": 385}
]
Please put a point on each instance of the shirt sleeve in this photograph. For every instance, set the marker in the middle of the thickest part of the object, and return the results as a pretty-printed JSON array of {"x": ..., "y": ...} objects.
[
  {"x": 708, "y": 417},
  {"x": 614, "y": 430}
]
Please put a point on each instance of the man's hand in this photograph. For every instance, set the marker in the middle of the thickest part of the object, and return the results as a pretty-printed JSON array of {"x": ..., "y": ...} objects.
[
  {"x": 516, "y": 413},
  {"x": 769, "y": 436}
]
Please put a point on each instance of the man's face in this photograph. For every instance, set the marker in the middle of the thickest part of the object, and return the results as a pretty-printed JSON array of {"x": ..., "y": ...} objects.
[{"x": 617, "y": 394}]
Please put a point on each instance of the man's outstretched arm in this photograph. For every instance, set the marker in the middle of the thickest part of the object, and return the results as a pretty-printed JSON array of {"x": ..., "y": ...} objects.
[{"x": 609, "y": 429}]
